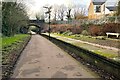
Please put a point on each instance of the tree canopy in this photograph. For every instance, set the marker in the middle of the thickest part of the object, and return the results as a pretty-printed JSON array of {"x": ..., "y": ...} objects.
[{"x": 14, "y": 16}]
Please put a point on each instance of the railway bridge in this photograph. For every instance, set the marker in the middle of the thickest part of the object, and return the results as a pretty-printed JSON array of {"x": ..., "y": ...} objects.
[{"x": 38, "y": 23}]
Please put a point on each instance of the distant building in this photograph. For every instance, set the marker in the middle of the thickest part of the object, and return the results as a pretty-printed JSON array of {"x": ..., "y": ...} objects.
[
  {"x": 98, "y": 9},
  {"x": 112, "y": 6}
]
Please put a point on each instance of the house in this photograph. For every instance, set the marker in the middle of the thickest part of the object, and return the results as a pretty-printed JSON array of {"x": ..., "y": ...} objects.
[
  {"x": 98, "y": 9},
  {"x": 111, "y": 7}
]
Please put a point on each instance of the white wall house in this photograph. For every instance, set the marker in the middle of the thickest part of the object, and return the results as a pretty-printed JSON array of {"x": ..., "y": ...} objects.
[{"x": 100, "y": 8}]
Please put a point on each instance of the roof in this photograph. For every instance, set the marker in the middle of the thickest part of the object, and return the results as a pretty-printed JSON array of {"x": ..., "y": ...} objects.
[
  {"x": 98, "y": 2},
  {"x": 111, "y": 5},
  {"x": 111, "y": 8}
]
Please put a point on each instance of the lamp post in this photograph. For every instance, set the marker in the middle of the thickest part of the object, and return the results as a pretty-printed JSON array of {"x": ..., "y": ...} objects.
[{"x": 48, "y": 12}]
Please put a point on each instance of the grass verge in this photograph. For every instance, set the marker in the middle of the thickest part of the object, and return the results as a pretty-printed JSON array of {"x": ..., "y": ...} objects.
[
  {"x": 100, "y": 51},
  {"x": 102, "y": 40},
  {"x": 11, "y": 50}
]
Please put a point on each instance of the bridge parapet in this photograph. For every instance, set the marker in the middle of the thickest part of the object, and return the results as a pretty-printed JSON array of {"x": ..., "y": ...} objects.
[{"x": 37, "y": 23}]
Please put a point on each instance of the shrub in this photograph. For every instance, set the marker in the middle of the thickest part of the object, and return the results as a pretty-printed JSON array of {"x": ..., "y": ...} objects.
[
  {"x": 77, "y": 35},
  {"x": 95, "y": 30},
  {"x": 85, "y": 32},
  {"x": 101, "y": 37},
  {"x": 66, "y": 27},
  {"x": 76, "y": 29},
  {"x": 68, "y": 33},
  {"x": 60, "y": 28},
  {"x": 85, "y": 26},
  {"x": 111, "y": 27},
  {"x": 111, "y": 19}
]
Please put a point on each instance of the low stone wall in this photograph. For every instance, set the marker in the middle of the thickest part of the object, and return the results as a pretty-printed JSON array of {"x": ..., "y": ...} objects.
[{"x": 102, "y": 65}]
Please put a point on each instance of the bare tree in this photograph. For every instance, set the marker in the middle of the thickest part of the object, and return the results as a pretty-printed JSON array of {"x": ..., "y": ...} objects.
[
  {"x": 61, "y": 12},
  {"x": 14, "y": 16},
  {"x": 55, "y": 12},
  {"x": 39, "y": 16},
  {"x": 69, "y": 14},
  {"x": 79, "y": 12},
  {"x": 76, "y": 12}
]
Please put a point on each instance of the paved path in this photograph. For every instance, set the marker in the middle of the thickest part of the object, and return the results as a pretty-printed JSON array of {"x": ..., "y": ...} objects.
[{"x": 43, "y": 59}]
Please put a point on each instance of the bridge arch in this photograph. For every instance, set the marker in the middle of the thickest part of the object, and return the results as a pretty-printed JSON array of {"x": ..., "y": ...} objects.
[{"x": 37, "y": 23}]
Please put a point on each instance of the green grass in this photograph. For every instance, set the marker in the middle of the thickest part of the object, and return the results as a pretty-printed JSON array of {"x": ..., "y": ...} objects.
[
  {"x": 108, "y": 55},
  {"x": 7, "y": 41},
  {"x": 80, "y": 37},
  {"x": 97, "y": 51},
  {"x": 0, "y": 42},
  {"x": 103, "y": 52},
  {"x": 10, "y": 44},
  {"x": 97, "y": 40}
]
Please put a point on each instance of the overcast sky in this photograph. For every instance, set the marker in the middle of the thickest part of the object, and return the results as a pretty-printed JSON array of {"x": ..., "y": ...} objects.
[{"x": 35, "y": 6}]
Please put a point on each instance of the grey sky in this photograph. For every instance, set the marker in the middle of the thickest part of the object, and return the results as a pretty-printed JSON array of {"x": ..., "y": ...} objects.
[{"x": 35, "y": 6}]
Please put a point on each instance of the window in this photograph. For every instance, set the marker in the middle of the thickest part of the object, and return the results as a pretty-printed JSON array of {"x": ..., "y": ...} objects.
[{"x": 98, "y": 8}]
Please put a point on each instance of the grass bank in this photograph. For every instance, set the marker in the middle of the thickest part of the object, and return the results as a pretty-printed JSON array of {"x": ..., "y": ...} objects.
[
  {"x": 11, "y": 50},
  {"x": 102, "y": 40},
  {"x": 111, "y": 54},
  {"x": 7, "y": 41}
]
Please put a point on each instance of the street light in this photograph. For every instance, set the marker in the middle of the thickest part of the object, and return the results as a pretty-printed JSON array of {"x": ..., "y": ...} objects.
[{"x": 48, "y": 12}]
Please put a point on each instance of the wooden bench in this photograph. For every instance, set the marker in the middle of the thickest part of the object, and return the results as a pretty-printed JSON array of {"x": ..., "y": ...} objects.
[{"x": 116, "y": 34}]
